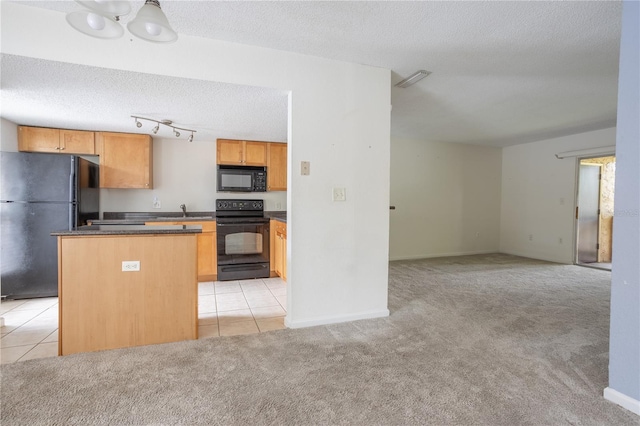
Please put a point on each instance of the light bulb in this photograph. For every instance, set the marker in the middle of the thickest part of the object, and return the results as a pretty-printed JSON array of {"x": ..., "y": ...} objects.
[
  {"x": 153, "y": 28},
  {"x": 95, "y": 21},
  {"x": 138, "y": 124},
  {"x": 177, "y": 133}
]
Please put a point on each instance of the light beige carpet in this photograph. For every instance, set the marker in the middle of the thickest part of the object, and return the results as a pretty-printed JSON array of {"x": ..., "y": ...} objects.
[{"x": 473, "y": 340}]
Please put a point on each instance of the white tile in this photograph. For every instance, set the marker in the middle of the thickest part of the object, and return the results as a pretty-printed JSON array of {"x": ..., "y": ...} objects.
[
  {"x": 257, "y": 294},
  {"x": 268, "y": 312},
  {"x": 279, "y": 291},
  {"x": 12, "y": 354},
  {"x": 274, "y": 283},
  {"x": 239, "y": 315},
  {"x": 207, "y": 318},
  {"x": 8, "y": 305},
  {"x": 253, "y": 285},
  {"x": 53, "y": 337},
  {"x": 238, "y": 328},
  {"x": 205, "y": 331},
  {"x": 223, "y": 287},
  {"x": 206, "y": 288},
  {"x": 268, "y": 324},
  {"x": 282, "y": 300},
  {"x": 41, "y": 304},
  {"x": 16, "y": 318},
  {"x": 207, "y": 303},
  {"x": 262, "y": 302},
  {"x": 231, "y": 302},
  {"x": 26, "y": 337},
  {"x": 43, "y": 350}
]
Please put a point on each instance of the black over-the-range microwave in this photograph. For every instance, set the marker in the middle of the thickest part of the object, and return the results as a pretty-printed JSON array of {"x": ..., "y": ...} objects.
[{"x": 242, "y": 179}]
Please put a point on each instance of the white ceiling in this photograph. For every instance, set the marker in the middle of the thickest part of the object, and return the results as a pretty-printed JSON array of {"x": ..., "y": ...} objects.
[{"x": 503, "y": 72}]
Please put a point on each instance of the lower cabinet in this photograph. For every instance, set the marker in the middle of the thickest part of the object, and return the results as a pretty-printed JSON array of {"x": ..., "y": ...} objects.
[
  {"x": 102, "y": 306},
  {"x": 279, "y": 248},
  {"x": 207, "y": 253}
]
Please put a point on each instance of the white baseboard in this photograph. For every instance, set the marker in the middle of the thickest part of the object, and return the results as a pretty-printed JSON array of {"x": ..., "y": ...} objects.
[
  {"x": 622, "y": 400},
  {"x": 335, "y": 320},
  {"x": 434, "y": 255}
]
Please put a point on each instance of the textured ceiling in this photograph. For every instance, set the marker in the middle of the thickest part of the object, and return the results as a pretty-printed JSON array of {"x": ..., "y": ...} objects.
[{"x": 503, "y": 72}]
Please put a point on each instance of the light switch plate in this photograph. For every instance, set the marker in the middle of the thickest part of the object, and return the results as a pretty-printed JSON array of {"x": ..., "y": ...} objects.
[
  {"x": 339, "y": 194},
  {"x": 130, "y": 265},
  {"x": 305, "y": 168}
]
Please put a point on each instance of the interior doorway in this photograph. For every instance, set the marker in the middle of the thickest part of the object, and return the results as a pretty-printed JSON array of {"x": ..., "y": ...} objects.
[{"x": 594, "y": 212}]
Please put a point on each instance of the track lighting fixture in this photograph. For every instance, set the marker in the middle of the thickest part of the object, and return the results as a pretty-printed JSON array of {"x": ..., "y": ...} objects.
[
  {"x": 167, "y": 123},
  {"x": 100, "y": 20}
]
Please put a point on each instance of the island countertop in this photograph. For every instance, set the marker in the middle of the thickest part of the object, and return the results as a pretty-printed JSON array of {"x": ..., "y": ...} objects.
[{"x": 129, "y": 230}]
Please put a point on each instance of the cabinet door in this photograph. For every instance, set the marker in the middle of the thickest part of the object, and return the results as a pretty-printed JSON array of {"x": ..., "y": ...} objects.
[
  {"x": 229, "y": 152},
  {"x": 278, "y": 255},
  {"x": 38, "y": 139},
  {"x": 255, "y": 154},
  {"x": 207, "y": 253},
  {"x": 126, "y": 160},
  {"x": 277, "y": 167},
  {"x": 284, "y": 257},
  {"x": 77, "y": 142}
]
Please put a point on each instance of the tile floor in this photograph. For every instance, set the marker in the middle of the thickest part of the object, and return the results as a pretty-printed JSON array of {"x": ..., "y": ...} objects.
[{"x": 224, "y": 309}]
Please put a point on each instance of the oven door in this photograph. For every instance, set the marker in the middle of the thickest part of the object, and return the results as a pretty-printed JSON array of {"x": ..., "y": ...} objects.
[{"x": 243, "y": 248}]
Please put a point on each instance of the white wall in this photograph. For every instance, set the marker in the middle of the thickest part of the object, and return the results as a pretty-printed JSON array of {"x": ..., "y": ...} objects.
[
  {"x": 183, "y": 173},
  {"x": 539, "y": 196},
  {"x": 624, "y": 338},
  {"x": 447, "y": 199},
  {"x": 8, "y": 136},
  {"x": 339, "y": 120}
]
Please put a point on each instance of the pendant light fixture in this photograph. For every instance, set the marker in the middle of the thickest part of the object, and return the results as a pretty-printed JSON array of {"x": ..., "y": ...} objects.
[
  {"x": 152, "y": 25},
  {"x": 100, "y": 20}
]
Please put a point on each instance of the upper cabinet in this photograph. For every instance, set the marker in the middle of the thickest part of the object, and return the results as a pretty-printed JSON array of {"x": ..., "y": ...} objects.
[
  {"x": 126, "y": 160},
  {"x": 241, "y": 153},
  {"x": 58, "y": 141},
  {"x": 277, "y": 167}
]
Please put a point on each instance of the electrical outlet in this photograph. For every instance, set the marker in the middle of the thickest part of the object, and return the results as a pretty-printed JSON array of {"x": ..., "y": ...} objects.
[
  {"x": 156, "y": 203},
  {"x": 560, "y": 240},
  {"x": 530, "y": 237},
  {"x": 278, "y": 206},
  {"x": 339, "y": 194},
  {"x": 130, "y": 265}
]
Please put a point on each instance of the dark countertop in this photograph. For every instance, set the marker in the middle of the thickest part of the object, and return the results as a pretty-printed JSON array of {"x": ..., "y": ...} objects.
[
  {"x": 129, "y": 230},
  {"x": 139, "y": 218}
]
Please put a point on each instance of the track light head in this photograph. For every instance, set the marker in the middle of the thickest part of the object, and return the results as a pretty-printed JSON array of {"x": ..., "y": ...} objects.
[
  {"x": 155, "y": 129},
  {"x": 138, "y": 124},
  {"x": 190, "y": 137}
]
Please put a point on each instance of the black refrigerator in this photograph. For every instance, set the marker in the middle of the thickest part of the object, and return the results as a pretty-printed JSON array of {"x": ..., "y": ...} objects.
[{"x": 39, "y": 194}]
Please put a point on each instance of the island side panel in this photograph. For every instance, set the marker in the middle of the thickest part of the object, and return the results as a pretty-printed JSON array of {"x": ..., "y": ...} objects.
[{"x": 103, "y": 307}]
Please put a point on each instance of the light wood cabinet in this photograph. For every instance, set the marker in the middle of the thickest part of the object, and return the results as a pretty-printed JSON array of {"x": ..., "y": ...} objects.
[
  {"x": 207, "y": 251},
  {"x": 279, "y": 248},
  {"x": 126, "y": 160},
  {"x": 241, "y": 153},
  {"x": 56, "y": 141},
  {"x": 276, "y": 167},
  {"x": 103, "y": 307}
]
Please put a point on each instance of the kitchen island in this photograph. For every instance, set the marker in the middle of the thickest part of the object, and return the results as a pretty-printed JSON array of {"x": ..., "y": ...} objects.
[{"x": 130, "y": 285}]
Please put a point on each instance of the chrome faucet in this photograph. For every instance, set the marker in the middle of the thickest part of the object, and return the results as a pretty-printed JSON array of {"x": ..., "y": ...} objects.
[{"x": 184, "y": 210}]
